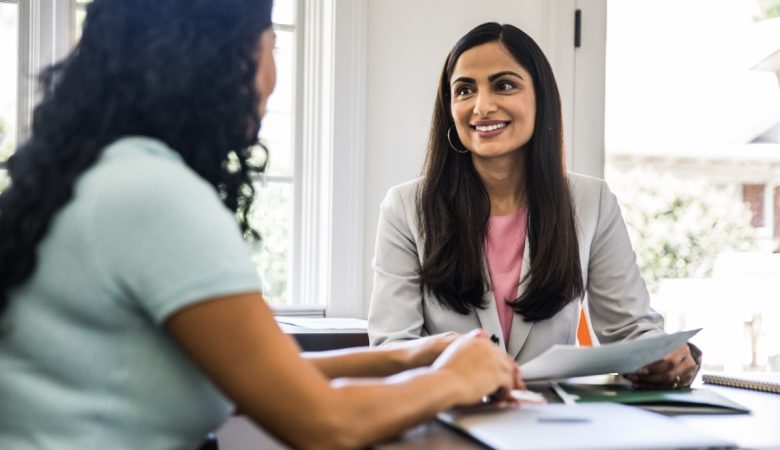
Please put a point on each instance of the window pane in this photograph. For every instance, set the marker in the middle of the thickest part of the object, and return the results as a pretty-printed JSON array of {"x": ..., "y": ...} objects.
[
  {"x": 4, "y": 180},
  {"x": 284, "y": 12},
  {"x": 277, "y": 130},
  {"x": 282, "y": 98},
  {"x": 693, "y": 155},
  {"x": 80, "y": 13},
  {"x": 8, "y": 73},
  {"x": 272, "y": 214},
  {"x": 276, "y": 133},
  {"x": 79, "y": 23}
]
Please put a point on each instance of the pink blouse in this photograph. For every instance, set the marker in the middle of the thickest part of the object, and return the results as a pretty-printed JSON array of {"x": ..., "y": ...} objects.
[{"x": 504, "y": 250}]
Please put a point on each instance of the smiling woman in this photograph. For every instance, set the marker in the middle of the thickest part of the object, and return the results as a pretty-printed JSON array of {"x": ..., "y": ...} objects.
[{"x": 496, "y": 234}]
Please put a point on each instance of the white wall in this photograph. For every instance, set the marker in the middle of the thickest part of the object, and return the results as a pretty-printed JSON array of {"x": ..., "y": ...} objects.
[{"x": 407, "y": 42}]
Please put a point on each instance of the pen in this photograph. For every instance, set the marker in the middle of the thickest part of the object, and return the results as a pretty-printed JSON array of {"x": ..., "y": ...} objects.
[{"x": 568, "y": 399}]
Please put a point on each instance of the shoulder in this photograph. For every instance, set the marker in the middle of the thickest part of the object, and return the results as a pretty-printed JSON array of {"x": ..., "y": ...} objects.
[
  {"x": 403, "y": 196},
  {"x": 586, "y": 185},
  {"x": 407, "y": 189},
  {"x": 588, "y": 192},
  {"x": 148, "y": 165},
  {"x": 143, "y": 174}
]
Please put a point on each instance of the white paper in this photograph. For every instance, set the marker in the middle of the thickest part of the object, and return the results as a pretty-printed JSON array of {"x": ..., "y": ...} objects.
[
  {"x": 325, "y": 323},
  {"x": 565, "y": 361},
  {"x": 587, "y": 426}
]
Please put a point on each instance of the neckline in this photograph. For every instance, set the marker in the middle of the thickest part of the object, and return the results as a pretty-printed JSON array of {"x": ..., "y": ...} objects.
[{"x": 511, "y": 215}]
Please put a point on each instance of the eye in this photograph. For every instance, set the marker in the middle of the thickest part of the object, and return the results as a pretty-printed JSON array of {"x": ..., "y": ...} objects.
[
  {"x": 505, "y": 85},
  {"x": 463, "y": 90}
]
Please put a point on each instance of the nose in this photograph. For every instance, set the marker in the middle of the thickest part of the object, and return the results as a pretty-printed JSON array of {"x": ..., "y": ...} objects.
[{"x": 484, "y": 103}]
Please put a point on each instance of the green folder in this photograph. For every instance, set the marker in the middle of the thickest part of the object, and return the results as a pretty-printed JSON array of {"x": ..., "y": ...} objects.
[{"x": 668, "y": 402}]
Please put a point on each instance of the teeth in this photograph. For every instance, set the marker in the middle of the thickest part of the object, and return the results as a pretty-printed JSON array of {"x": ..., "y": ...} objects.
[{"x": 484, "y": 128}]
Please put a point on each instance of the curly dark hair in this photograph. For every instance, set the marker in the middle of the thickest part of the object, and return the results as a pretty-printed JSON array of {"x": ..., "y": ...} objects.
[
  {"x": 179, "y": 71},
  {"x": 454, "y": 205}
]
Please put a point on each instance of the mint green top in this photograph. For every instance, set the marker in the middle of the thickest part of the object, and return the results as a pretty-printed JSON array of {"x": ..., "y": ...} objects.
[{"x": 85, "y": 362}]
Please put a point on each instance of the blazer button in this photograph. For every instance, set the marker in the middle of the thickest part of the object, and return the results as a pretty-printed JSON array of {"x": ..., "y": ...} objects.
[{"x": 494, "y": 339}]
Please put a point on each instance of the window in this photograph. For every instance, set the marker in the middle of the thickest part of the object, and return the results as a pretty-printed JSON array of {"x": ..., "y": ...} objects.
[
  {"x": 9, "y": 41},
  {"x": 79, "y": 13},
  {"x": 273, "y": 212},
  {"x": 693, "y": 154}
]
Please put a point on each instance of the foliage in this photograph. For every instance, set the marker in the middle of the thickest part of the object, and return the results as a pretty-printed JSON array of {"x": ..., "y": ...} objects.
[
  {"x": 769, "y": 9},
  {"x": 7, "y": 142},
  {"x": 678, "y": 227},
  {"x": 6, "y": 147},
  {"x": 272, "y": 216},
  {"x": 4, "y": 180}
]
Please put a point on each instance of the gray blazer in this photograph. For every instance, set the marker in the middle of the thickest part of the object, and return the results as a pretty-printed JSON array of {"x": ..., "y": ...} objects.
[{"x": 618, "y": 301}]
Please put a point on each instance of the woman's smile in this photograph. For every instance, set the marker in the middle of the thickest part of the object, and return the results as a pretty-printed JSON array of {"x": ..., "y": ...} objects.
[{"x": 486, "y": 129}]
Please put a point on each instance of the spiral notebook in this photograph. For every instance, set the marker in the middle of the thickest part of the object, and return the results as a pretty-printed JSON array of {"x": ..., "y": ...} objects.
[{"x": 759, "y": 381}]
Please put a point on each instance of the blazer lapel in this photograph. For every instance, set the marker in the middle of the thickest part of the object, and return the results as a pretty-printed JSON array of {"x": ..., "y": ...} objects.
[
  {"x": 488, "y": 317},
  {"x": 520, "y": 328}
]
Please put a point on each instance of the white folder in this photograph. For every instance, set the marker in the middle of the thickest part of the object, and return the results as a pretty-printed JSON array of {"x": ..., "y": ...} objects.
[{"x": 597, "y": 426}]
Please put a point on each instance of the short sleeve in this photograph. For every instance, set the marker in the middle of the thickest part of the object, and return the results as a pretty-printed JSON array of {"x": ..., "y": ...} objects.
[{"x": 163, "y": 239}]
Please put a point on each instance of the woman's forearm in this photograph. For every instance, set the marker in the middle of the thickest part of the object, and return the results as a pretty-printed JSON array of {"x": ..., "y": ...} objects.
[
  {"x": 360, "y": 362},
  {"x": 381, "y": 362},
  {"x": 406, "y": 399}
]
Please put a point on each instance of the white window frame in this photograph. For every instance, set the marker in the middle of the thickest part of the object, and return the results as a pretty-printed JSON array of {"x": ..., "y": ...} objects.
[{"x": 329, "y": 198}]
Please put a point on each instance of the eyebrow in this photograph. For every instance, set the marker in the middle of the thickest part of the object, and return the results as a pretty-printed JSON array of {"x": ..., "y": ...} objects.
[{"x": 490, "y": 78}]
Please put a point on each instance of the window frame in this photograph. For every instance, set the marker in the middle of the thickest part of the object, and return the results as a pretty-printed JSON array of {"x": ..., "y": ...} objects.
[{"x": 332, "y": 157}]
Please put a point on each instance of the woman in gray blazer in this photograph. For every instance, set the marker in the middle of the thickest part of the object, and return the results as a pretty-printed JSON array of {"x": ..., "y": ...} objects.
[{"x": 496, "y": 234}]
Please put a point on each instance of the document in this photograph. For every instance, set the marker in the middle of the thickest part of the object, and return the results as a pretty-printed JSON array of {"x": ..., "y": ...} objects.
[
  {"x": 566, "y": 361},
  {"x": 593, "y": 426}
]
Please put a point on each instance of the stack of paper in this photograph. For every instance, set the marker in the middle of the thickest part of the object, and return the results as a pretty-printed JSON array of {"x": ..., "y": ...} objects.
[{"x": 566, "y": 361}]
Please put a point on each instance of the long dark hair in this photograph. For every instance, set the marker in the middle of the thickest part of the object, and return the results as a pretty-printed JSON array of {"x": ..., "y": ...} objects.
[
  {"x": 454, "y": 205},
  {"x": 179, "y": 71}
]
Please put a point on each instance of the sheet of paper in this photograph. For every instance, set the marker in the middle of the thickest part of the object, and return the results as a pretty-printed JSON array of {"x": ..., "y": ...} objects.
[
  {"x": 565, "y": 361},
  {"x": 593, "y": 426},
  {"x": 325, "y": 323}
]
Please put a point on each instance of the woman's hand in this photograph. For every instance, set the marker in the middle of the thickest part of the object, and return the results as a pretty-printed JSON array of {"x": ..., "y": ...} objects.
[
  {"x": 424, "y": 351},
  {"x": 677, "y": 369},
  {"x": 481, "y": 368}
]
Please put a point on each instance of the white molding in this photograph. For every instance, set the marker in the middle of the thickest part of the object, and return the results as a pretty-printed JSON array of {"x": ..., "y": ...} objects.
[
  {"x": 312, "y": 192},
  {"x": 347, "y": 219},
  {"x": 587, "y": 152},
  {"x": 46, "y": 34},
  {"x": 560, "y": 37},
  {"x": 328, "y": 254}
]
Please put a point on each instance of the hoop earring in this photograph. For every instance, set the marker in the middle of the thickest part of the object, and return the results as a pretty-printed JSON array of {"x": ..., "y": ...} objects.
[{"x": 449, "y": 139}]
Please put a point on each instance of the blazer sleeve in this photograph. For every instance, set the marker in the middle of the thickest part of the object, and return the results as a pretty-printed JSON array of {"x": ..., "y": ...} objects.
[
  {"x": 396, "y": 311},
  {"x": 618, "y": 300}
]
